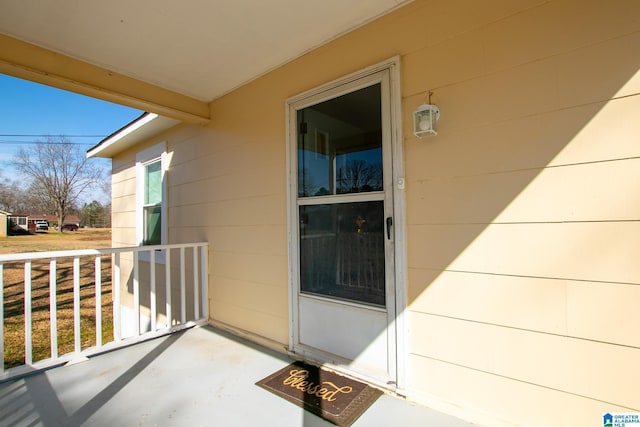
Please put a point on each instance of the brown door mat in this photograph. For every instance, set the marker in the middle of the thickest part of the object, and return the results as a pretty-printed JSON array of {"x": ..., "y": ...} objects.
[{"x": 336, "y": 398}]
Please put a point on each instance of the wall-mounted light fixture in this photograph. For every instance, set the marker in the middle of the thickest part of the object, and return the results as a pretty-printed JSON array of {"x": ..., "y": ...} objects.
[{"x": 425, "y": 118}]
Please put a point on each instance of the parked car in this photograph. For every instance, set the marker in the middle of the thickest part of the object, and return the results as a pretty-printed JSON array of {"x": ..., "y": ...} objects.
[
  {"x": 69, "y": 227},
  {"x": 41, "y": 225}
]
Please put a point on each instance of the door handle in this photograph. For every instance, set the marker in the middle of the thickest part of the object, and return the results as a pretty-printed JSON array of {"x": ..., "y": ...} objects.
[{"x": 389, "y": 224}]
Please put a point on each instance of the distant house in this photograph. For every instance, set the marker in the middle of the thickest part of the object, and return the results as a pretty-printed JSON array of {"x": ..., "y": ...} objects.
[
  {"x": 38, "y": 217},
  {"x": 18, "y": 223},
  {"x": 22, "y": 222}
]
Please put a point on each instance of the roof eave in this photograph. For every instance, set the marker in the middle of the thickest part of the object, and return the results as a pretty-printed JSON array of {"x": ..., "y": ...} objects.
[{"x": 144, "y": 127}]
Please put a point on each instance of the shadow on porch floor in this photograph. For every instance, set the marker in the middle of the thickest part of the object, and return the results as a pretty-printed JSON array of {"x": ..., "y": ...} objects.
[{"x": 198, "y": 377}]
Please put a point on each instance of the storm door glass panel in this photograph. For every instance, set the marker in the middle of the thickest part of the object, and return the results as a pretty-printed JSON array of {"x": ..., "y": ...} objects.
[
  {"x": 342, "y": 251},
  {"x": 152, "y": 210},
  {"x": 341, "y": 197},
  {"x": 340, "y": 145}
]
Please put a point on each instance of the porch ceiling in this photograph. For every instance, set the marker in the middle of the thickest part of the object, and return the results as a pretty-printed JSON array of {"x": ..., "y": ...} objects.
[{"x": 200, "y": 49}]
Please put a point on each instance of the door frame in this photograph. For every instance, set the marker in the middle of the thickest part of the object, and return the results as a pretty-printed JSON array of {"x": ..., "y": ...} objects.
[{"x": 399, "y": 323}]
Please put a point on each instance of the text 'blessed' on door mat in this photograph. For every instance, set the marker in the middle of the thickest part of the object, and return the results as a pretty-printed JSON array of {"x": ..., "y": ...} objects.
[{"x": 335, "y": 398}]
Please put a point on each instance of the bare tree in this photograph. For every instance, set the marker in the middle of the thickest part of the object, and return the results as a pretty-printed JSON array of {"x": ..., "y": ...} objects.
[
  {"x": 359, "y": 175},
  {"x": 6, "y": 200},
  {"x": 12, "y": 196},
  {"x": 59, "y": 172}
]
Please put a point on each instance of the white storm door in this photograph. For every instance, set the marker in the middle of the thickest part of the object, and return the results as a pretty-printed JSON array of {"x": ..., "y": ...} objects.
[{"x": 342, "y": 250}]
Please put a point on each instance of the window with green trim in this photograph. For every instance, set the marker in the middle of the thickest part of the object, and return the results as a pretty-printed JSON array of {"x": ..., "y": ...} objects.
[
  {"x": 152, "y": 204},
  {"x": 151, "y": 194}
]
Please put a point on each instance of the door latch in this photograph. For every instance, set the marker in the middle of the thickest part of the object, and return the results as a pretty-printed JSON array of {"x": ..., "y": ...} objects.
[{"x": 389, "y": 224}]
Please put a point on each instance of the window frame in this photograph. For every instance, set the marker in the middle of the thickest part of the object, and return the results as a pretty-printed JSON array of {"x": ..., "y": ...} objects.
[
  {"x": 146, "y": 205},
  {"x": 157, "y": 152}
]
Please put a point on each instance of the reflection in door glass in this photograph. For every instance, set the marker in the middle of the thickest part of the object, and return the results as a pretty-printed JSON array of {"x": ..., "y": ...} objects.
[
  {"x": 340, "y": 145},
  {"x": 342, "y": 251}
]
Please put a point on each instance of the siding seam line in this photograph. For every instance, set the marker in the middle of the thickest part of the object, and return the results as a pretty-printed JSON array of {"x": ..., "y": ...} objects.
[
  {"x": 527, "y": 382},
  {"x": 527, "y": 330}
]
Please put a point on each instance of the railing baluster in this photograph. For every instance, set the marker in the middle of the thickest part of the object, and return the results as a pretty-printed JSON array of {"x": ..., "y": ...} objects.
[
  {"x": 136, "y": 293},
  {"x": 28, "y": 356},
  {"x": 76, "y": 305},
  {"x": 167, "y": 275},
  {"x": 152, "y": 286},
  {"x": 32, "y": 287},
  {"x": 196, "y": 290},
  {"x": 117, "y": 327},
  {"x": 183, "y": 297},
  {"x": 53, "y": 308},
  {"x": 1, "y": 318},
  {"x": 98, "y": 279}
]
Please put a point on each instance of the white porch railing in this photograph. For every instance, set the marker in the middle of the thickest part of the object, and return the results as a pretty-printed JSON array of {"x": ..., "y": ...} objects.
[{"x": 165, "y": 289}]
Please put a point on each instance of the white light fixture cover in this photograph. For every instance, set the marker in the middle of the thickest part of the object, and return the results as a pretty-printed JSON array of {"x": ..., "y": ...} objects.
[{"x": 424, "y": 120}]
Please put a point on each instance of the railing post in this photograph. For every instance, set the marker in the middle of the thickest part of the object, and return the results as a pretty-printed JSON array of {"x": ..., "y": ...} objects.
[
  {"x": 76, "y": 305},
  {"x": 205, "y": 281},
  {"x": 98, "y": 280},
  {"x": 152, "y": 291},
  {"x": 117, "y": 330},
  {"x": 136, "y": 293},
  {"x": 183, "y": 297},
  {"x": 196, "y": 290},
  {"x": 167, "y": 275},
  {"x": 28, "y": 357},
  {"x": 53, "y": 308}
]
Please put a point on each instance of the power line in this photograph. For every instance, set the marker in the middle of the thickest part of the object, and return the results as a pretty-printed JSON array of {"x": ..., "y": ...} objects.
[
  {"x": 41, "y": 142},
  {"x": 49, "y": 136}
]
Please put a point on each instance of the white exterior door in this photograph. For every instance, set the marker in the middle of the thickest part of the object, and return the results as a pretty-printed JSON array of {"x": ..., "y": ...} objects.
[{"x": 342, "y": 250}]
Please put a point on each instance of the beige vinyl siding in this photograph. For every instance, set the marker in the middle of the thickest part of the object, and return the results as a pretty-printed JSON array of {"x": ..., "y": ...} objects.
[
  {"x": 488, "y": 396},
  {"x": 531, "y": 357},
  {"x": 123, "y": 201},
  {"x": 522, "y": 215},
  {"x": 230, "y": 191},
  {"x": 3, "y": 224},
  {"x": 218, "y": 192}
]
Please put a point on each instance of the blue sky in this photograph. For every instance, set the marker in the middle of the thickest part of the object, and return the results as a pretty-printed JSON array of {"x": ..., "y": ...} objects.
[
  {"x": 28, "y": 108},
  {"x": 33, "y": 110}
]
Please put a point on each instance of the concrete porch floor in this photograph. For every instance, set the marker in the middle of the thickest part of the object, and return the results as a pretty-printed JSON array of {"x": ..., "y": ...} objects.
[{"x": 198, "y": 377}]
